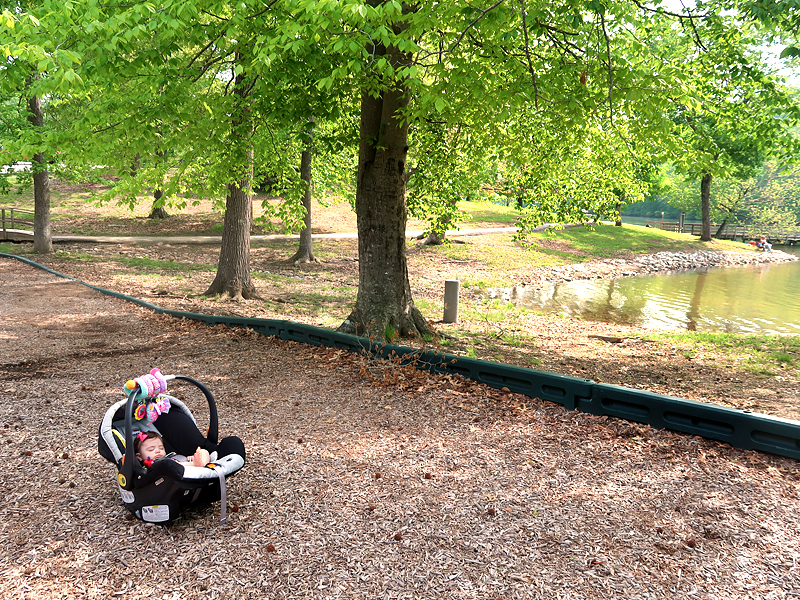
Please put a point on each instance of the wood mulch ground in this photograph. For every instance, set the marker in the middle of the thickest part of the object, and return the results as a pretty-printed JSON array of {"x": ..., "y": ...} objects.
[{"x": 360, "y": 486}]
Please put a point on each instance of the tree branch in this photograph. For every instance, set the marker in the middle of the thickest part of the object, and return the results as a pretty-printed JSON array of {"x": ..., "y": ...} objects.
[
  {"x": 482, "y": 14},
  {"x": 610, "y": 70},
  {"x": 528, "y": 54}
]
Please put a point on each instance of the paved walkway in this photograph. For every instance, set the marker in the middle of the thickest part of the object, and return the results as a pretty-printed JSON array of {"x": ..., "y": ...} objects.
[{"x": 215, "y": 239}]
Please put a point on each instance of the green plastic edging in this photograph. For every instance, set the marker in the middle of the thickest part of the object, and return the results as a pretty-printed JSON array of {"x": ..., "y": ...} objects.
[
  {"x": 265, "y": 326},
  {"x": 740, "y": 429},
  {"x": 318, "y": 336}
]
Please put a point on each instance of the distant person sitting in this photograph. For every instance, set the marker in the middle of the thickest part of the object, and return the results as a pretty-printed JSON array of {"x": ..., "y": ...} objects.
[{"x": 764, "y": 244}]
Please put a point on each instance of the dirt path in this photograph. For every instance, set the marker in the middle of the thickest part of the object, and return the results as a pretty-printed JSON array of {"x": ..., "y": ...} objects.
[{"x": 480, "y": 495}]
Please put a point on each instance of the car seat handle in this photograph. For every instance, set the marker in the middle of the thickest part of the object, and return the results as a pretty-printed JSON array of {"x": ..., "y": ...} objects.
[
  {"x": 213, "y": 417},
  {"x": 129, "y": 458}
]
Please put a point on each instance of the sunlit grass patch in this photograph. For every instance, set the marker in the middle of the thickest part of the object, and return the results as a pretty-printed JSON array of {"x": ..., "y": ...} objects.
[
  {"x": 76, "y": 256},
  {"x": 492, "y": 311},
  {"x": 606, "y": 240},
  {"x": 15, "y": 249},
  {"x": 488, "y": 213},
  {"x": 148, "y": 265},
  {"x": 493, "y": 252},
  {"x": 759, "y": 354}
]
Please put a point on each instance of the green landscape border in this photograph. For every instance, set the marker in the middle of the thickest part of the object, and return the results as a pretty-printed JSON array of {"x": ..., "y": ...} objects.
[{"x": 739, "y": 428}]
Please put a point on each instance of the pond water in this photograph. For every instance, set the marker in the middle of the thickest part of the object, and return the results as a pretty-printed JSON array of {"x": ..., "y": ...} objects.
[{"x": 748, "y": 299}]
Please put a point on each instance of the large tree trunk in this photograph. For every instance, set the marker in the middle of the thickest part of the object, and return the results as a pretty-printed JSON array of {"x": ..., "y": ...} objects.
[
  {"x": 705, "y": 205},
  {"x": 233, "y": 272},
  {"x": 384, "y": 306},
  {"x": 305, "y": 253},
  {"x": 42, "y": 235}
]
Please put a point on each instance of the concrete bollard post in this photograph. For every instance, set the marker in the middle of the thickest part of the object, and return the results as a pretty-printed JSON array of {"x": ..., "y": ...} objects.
[{"x": 451, "y": 287}]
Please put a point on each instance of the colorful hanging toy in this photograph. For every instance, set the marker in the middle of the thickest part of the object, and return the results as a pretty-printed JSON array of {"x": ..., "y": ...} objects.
[
  {"x": 150, "y": 384},
  {"x": 150, "y": 411},
  {"x": 151, "y": 395}
]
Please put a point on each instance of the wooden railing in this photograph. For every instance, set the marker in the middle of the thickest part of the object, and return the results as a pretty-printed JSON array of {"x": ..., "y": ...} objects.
[
  {"x": 14, "y": 220},
  {"x": 745, "y": 233}
]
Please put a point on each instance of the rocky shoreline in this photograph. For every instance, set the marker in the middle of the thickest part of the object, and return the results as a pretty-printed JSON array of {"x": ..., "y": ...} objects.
[{"x": 649, "y": 264}]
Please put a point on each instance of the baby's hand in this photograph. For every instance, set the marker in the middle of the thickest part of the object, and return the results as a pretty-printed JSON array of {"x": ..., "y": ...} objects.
[{"x": 200, "y": 458}]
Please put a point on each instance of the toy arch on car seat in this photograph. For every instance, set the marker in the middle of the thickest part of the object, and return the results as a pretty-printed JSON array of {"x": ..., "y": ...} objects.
[{"x": 159, "y": 494}]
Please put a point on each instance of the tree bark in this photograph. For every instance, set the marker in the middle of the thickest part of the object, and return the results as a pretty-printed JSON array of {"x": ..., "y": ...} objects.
[
  {"x": 42, "y": 234},
  {"x": 721, "y": 228},
  {"x": 233, "y": 271},
  {"x": 705, "y": 205},
  {"x": 157, "y": 211},
  {"x": 305, "y": 252},
  {"x": 384, "y": 306},
  {"x": 433, "y": 238}
]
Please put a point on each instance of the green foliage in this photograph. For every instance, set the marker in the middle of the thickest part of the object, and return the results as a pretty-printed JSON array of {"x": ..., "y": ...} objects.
[
  {"x": 594, "y": 177},
  {"x": 743, "y": 114},
  {"x": 444, "y": 170},
  {"x": 560, "y": 109},
  {"x": 771, "y": 197}
]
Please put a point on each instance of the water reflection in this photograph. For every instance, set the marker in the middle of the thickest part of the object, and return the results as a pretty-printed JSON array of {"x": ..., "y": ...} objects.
[{"x": 749, "y": 299}]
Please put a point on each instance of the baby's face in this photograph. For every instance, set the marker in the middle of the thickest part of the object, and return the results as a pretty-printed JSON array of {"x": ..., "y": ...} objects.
[{"x": 151, "y": 448}]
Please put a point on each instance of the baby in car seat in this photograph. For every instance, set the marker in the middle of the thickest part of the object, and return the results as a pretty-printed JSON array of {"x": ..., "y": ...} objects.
[{"x": 149, "y": 447}]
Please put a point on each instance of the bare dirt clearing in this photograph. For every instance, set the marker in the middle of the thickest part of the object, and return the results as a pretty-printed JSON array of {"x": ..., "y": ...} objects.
[{"x": 524, "y": 499}]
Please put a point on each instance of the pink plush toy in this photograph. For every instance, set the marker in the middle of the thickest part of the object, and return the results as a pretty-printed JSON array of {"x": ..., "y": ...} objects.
[
  {"x": 151, "y": 395},
  {"x": 150, "y": 384}
]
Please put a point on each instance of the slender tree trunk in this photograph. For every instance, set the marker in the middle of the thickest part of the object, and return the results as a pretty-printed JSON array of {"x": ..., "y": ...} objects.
[
  {"x": 305, "y": 252},
  {"x": 157, "y": 210},
  {"x": 721, "y": 228},
  {"x": 42, "y": 235},
  {"x": 384, "y": 306},
  {"x": 618, "y": 222},
  {"x": 233, "y": 272},
  {"x": 705, "y": 205},
  {"x": 137, "y": 162}
]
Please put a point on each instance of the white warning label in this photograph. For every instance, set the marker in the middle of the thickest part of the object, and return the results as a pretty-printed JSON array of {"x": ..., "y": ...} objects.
[{"x": 155, "y": 514}]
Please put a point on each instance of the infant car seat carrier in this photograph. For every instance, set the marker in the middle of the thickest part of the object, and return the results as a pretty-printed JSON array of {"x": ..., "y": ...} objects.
[{"x": 159, "y": 493}]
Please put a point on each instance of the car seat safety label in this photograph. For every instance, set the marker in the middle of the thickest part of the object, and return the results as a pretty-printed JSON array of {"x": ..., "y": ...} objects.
[
  {"x": 155, "y": 514},
  {"x": 127, "y": 496}
]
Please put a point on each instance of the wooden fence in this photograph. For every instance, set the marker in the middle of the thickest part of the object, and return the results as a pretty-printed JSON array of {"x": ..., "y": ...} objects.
[
  {"x": 15, "y": 223},
  {"x": 744, "y": 233}
]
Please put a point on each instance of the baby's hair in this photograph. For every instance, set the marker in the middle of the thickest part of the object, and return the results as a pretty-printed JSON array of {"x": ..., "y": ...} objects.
[{"x": 141, "y": 437}]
